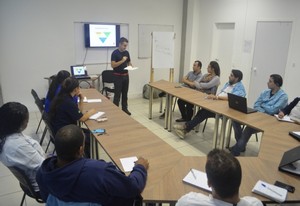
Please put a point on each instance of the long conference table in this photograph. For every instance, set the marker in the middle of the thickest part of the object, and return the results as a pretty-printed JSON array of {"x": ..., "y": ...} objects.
[{"x": 126, "y": 137}]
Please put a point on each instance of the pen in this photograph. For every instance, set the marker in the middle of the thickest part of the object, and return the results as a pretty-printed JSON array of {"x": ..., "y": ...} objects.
[
  {"x": 193, "y": 173},
  {"x": 271, "y": 189}
]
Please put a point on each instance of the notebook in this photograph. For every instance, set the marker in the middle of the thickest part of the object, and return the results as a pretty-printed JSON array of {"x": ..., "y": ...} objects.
[
  {"x": 290, "y": 161},
  {"x": 239, "y": 103},
  {"x": 270, "y": 191},
  {"x": 286, "y": 118},
  {"x": 79, "y": 72},
  {"x": 198, "y": 179}
]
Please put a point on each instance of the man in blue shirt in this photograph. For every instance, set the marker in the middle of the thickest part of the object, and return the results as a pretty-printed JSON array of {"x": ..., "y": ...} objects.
[
  {"x": 234, "y": 86},
  {"x": 68, "y": 177},
  {"x": 270, "y": 102},
  {"x": 120, "y": 59}
]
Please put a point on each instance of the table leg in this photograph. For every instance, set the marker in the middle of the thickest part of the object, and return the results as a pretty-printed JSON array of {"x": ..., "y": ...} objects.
[
  {"x": 150, "y": 102},
  {"x": 167, "y": 111},
  {"x": 223, "y": 131},
  {"x": 216, "y": 129},
  {"x": 228, "y": 135},
  {"x": 170, "y": 115}
]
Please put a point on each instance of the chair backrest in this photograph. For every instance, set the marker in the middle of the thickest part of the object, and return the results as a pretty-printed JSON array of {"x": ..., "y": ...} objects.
[
  {"x": 37, "y": 100},
  {"x": 25, "y": 183},
  {"x": 214, "y": 90},
  {"x": 107, "y": 76},
  {"x": 48, "y": 124},
  {"x": 54, "y": 201}
]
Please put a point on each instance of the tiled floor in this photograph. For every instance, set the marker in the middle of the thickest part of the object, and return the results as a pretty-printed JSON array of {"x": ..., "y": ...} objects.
[{"x": 195, "y": 144}]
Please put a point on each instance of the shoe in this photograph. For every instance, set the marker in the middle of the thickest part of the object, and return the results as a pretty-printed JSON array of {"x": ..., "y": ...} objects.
[
  {"x": 126, "y": 111},
  {"x": 178, "y": 126},
  {"x": 181, "y": 133},
  {"x": 162, "y": 116},
  {"x": 181, "y": 120},
  {"x": 231, "y": 149}
]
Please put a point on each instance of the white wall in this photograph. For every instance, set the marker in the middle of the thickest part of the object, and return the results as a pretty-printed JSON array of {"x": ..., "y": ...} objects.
[
  {"x": 37, "y": 39},
  {"x": 245, "y": 14}
]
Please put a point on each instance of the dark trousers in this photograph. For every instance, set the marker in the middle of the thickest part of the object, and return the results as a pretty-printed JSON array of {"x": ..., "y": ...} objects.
[
  {"x": 186, "y": 109},
  {"x": 201, "y": 115},
  {"x": 121, "y": 88}
]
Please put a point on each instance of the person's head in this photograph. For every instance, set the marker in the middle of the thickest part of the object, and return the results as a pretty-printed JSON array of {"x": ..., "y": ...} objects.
[
  {"x": 275, "y": 81},
  {"x": 58, "y": 80},
  {"x": 224, "y": 173},
  {"x": 70, "y": 86},
  {"x": 13, "y": 119},
  {"x": 213, "y": 67},
  {"x": 197, "y": 66},
  {"x": 123, "y": 42},
  {"x": 69, "y": 143},
  {"x": 235, "y": 76}
]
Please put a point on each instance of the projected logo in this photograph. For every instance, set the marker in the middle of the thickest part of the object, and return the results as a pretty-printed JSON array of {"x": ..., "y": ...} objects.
[{"x": 103, "y": 36}]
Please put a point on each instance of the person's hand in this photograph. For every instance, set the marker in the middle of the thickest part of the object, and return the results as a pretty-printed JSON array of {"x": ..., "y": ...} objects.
[
  {"x": 211, "y": 96},
  {"x": 142, "y": 161},
  {"x": 124, "y": 59},
  {"x": 280, "y": 114}
]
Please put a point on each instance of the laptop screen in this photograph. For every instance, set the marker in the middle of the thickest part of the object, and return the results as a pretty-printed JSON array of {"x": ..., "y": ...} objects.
[{"x": 78, "y": 70}]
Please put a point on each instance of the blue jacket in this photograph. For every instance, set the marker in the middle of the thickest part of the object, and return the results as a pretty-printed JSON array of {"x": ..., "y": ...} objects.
[
  {"x": 87, "y": 180},
  {"x": 238, "y": 89},
  {"x": 271, "y": 105}
]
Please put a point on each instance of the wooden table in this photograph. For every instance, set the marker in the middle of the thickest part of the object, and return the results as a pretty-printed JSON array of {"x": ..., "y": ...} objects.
[{"x": 126, "y": 137}]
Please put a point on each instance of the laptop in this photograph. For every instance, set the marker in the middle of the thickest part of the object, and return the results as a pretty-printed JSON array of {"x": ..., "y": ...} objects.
[
  {"x": 239, "y": 103},
  {"x": 79, "y": 72},
  {"x": 290, "y": 161}
]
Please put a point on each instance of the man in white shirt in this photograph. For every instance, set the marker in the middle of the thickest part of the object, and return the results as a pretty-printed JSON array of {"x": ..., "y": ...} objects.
[{"x": 224, "y": 176}]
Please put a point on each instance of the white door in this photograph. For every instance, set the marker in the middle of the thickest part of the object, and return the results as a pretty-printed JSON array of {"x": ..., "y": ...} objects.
[
  {"x": 222, "y": 48},
  {"x": 270, "y": 55}
]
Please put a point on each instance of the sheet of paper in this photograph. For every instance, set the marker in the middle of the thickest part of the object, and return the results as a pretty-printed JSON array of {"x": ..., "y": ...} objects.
[
  {"x": 93, "y": 100},
  {"x": 128, "y": 163},
  {"x": 97, "y": 115},
  {"x": 198, "y": 179},
  {"x": 297, "y": 133},
  {"x": 270, "y": 191},
  {"x": 286, "y": 118},
  {"x": 130, "y": 68}
]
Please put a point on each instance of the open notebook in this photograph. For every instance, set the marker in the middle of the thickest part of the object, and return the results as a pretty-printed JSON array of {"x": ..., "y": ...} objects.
[{"x": 198, "y": 179}]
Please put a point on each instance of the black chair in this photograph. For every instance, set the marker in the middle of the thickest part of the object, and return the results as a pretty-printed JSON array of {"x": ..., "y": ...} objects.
[
  {"x": 49, "y": 128},
  {"x": 107, "y": 78},
  {"x": 39, "y": 103},
  {"x": 25, "y": 184}
]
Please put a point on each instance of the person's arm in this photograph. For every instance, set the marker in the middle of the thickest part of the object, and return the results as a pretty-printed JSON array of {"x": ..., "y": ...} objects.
[
  {"x": 280, "y": 103},
  {"x": 207, "y": 85},
  {"x": 258, "y": 103},
  {"x": 194, "y": 84},
  {"x": 119, "y": 185},
  {"x": 288, "y": 108},
  {"x": 115, "y": 64}
]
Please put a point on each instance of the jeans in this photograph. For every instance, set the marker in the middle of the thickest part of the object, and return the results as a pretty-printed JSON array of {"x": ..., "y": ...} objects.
[
  {"x": 186, "y": 109},
  {"x": 201, "y": 115},
  {"x": 241, "y": 137},
  {"x": 121, "y": 88}
]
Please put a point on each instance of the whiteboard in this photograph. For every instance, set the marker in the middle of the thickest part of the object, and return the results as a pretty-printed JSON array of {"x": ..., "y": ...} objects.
[
  {"x": 163, "y": 49},
  {"x": 144, "y": 37},
  {"x": 85, "y": 55}
]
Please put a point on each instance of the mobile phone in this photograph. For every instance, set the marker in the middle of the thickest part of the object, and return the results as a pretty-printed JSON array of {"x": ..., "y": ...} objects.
[
  {"x": 98, "y": 131},
  {"x": 289, "y": 188}
]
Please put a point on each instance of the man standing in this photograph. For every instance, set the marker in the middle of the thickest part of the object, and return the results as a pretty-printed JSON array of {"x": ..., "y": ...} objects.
[
  {"x": 234, "y": 86},
  {"x": 69, "y": 177},
  {"x": 270, "y": 102},
  {"x": 186, "y": 108},
  {"x": 120, "y": 59}
]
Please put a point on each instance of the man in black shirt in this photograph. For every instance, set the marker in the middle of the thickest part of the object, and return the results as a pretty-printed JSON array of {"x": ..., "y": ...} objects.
[{"x": 120, "y": 59}]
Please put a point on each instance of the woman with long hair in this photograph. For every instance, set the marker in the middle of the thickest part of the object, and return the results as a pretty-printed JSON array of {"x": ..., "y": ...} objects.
[{"x": 17, "y": 149}]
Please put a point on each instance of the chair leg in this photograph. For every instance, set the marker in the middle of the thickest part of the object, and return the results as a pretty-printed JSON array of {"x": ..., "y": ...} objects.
[
  {"x": 175, "y": 102},
  {"x": 204, "y": 125},
  {"x": 161, "y": 105},
  {"x": 48, "y": 146},
  {"x": 256, "y": 137},
  {"x": 43, "y": 136},
  {"x": 23, "y": 198},
  {"x": 39, "y": 125}
]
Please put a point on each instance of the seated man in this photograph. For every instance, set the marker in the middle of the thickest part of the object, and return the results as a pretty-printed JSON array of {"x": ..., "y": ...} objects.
[
  {"x": 234, "y": 86},
  {"x": 224, "y": 175},
  {"x": 293, "y": 110},
  {"x": 70, "y": 178},
  {"x": 186, "y": 108},
  {"x": 270, "y": 102}
]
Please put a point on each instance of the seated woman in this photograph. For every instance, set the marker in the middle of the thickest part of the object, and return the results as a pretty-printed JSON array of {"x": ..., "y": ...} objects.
[
  {"x": 55, "y": 88},
  {"x": 17, "y": 149},
  {"x": 65, "y": 111}
]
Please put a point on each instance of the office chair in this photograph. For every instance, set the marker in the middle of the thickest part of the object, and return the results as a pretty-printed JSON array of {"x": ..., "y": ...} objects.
[
  {"x": 49, "y": 128},
  {"x": 39, "y": 103},
  {"x": 107, "y": 78},
  {"x": 25, "y": 184}
]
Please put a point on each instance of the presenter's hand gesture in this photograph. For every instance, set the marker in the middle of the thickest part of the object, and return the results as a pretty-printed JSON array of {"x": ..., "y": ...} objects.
[{"x": 142, "y": 161}]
